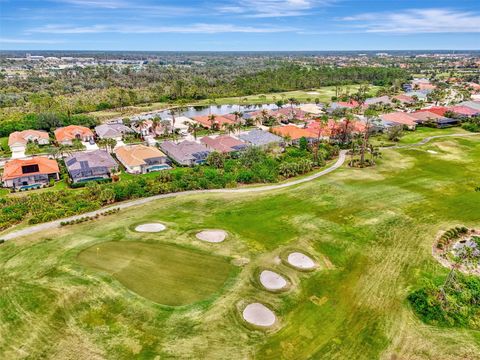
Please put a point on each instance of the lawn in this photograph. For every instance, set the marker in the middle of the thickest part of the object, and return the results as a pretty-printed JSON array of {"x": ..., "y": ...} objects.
[
  {"x": 163, "y": 273},
  {"x": 411, "y": 137},
  {"x": 371, "y": 231}
]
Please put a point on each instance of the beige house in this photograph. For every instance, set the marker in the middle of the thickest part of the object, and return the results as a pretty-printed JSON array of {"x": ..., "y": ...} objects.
[
  {"x": 141, "y": 159},
  {"x": 18, "y": 140}
]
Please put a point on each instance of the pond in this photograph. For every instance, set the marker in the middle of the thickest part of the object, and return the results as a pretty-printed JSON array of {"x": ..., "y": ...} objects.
[{"x": 206, "y": 110}]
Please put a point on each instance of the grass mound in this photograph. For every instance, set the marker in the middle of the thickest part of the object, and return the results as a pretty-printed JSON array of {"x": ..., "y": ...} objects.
[
  {"x": 166, "y": 274},
  {"x": 458, "y": 306}
]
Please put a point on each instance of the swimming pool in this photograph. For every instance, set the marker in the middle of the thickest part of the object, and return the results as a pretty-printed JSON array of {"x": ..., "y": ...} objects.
[
  {"x": 33, "y": 186},
  {"x": 158, "y": 167}
]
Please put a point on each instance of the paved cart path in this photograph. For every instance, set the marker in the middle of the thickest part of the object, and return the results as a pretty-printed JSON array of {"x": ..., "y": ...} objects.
[{"x": 127, "y": 204}]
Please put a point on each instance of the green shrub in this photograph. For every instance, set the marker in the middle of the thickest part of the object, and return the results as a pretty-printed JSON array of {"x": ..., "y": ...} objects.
[{"x": 459, "y": 308}]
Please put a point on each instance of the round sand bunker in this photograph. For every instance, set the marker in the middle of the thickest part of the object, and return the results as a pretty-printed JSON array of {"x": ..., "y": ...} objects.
[
  {"x": 272, "y": 281},
  {"x": 300, "y": 261},
  {"x": 212, "y": 236},
  {"x": 259, "y": 315},
  {"x": 152, "y": 227}
]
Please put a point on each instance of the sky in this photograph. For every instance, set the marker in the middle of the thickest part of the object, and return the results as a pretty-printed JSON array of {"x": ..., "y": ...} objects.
[{"x": 236, "y": 25}]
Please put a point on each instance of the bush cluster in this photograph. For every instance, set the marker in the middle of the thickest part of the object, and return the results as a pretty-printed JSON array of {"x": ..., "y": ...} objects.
[
  {"x": 89, "y": 218},
  {"x": 451, "y": 234},
  {"x": 457, "y": 305}
]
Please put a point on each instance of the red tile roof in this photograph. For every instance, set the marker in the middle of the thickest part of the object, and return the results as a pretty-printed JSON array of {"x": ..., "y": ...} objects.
[
  {"x": 464, "y": 110},
  {"x": 14, "y": 168},
  {"x": 426, "y": 115},
  {"x": 219, "y": 120},
  {"x": 404, "y": 98},
  {"x": 439, "y": 110},
  {"x": 399, "y": 118},
  {"x": 222, "y": 143},
  {"x": 22, "y": 137},
  {"x": 292, "y": 131},
  {"x": 71, "y": 132}
]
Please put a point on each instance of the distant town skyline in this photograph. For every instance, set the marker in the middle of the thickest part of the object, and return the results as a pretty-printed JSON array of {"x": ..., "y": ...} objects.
[{"x": 235, "y": 25}]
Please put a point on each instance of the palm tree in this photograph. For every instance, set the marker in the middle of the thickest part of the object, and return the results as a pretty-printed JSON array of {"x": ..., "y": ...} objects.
[
  {"x": 237, "y": 115},
  {"x": 238, "y": 127},
  {"x": 264, "y": 114},
  {"x": 194, "y": 128},
  {"x": 211, "y": 119},
  {"x": 227, "y": 128}
]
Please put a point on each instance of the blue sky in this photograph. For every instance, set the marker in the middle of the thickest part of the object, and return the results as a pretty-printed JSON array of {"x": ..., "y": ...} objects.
[{"x": 239, "y": 24}]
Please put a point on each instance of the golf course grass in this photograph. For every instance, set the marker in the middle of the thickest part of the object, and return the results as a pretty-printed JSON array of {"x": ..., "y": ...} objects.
[
  {"x": 370, "y": 232},
  {"x": 165, "y": 274}
]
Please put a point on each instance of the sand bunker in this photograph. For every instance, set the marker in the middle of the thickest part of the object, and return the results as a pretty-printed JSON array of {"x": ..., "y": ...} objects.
[
  {"x": 152, "y": 227},
  {"x": 432, "y": 151},
  {"x": 213, "y": 236},
  {"x": 313, "y": 93},
  {"x": 272, "y": 281},
  {"x": 300, "y": 261},
  {"x": 259, "y": 315}
]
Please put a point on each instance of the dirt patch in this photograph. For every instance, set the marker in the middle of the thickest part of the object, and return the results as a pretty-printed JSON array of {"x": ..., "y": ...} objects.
[
  {"x": 150, "y": 228},
  {"x": 259, "y": 315},
  {"x": 272, "y": 281},
  {"x": 212, "y": 236}
]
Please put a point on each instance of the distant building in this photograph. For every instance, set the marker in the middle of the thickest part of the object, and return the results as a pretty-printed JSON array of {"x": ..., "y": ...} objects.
[
  {"x": 30, "y": 173},
  {"x": 87, "y": 166},
  {"x": 187, "y": 153},
  {"x": 141, "y": 159}
]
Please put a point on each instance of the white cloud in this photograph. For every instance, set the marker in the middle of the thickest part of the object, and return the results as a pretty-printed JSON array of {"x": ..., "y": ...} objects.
[
  {"x": 417, "y": 21},
  {"x": 107, "y": 4},
  {"x": 272, "y": 8},
  {"x": 139, "y": 29},
  {"x": 28, "y": 41}
]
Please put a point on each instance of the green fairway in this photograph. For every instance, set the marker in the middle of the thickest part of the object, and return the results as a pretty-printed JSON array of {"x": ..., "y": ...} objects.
[
  {"x": 162, "y": 273},
  {"x": 370, "y": 230}
]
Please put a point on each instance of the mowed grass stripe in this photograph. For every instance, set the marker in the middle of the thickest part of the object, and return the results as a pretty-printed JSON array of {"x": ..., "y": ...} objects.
[{"x": 166, "y": 274}]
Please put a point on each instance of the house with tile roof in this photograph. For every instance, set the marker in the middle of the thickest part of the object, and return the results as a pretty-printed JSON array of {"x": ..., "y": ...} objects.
[
  {"x": 218, "y": 122},
  {"x": 423, "y": 116},
  {"x": 471, "y": 104},
  {"x": 188, "y": 153},
  {"x": 224, "y": 144},
  {"x": 93, "y": 165},
  {"x": 464, "y": 111},
  {"x": 30, "y": 173},
  {"x": 404, "y": 99},
  {"x": 18, "y": 140},
  {"x": 141, "y": 159},
  {"x": 378, "y": 100},
  {"x": 114, "y": 131},
  {"x": 66, "y": 135},
  {"x": 294, "y": 133},
  {"x": 399, "y": 118},
  {"x": 257, "y": 137}
]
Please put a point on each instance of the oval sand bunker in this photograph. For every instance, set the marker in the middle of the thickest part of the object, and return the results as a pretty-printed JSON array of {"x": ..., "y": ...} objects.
[
  {"x": 259, "y": 315},
  {"x": 152, "y": 227},
  {"x": 213, "y": 236},
  {"x": 272, "y": 281},
  {"x": 300, "y": 261}
]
